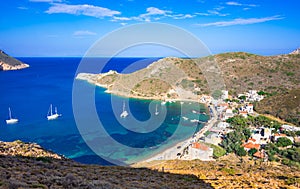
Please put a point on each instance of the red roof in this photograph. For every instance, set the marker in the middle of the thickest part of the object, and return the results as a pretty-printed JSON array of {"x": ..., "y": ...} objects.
[
  {"x": 250, "y": 145},
  {"x": 200, "y": 146},
  {"x": 280, "y": 134},
  {"x": 259, "y": 154},
  {"x": 251, "y": 139},
  {"x": 250, "y": 104}
]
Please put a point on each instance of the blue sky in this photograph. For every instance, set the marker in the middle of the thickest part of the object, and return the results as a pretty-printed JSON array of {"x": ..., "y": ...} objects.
[{"x": 71, "y": 27}]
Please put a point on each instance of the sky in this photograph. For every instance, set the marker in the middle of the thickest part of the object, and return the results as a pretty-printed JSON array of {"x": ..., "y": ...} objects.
[{"x": 70, "y": 27}]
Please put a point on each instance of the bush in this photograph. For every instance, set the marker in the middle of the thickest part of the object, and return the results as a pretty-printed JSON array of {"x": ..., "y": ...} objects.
[
  {"x": 241, "y": 151},
  {"x": 283, "y": 142},
  {"x": 252, "y": 151}
]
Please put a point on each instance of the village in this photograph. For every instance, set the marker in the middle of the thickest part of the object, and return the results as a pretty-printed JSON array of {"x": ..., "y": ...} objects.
[{"x": 203, "y": 146}]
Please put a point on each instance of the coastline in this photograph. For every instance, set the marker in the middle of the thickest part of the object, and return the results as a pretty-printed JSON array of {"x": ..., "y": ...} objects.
[
  {"x": 171, "y": 152},
  {"x": 89, "y": 78}
]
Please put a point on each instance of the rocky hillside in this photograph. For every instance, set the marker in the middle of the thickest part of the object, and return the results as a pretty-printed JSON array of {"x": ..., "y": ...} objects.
[
  {"x": 25, "y": 165},
  {"x": 233, "y": 172},
  {"x": 9, "y": 63},
  {"x": 185, "y": 78},
  {"x": 285, "y": 106}
]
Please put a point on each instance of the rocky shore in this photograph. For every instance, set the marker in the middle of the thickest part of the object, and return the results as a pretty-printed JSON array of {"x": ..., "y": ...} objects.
[{"x": 9, "y": 63}]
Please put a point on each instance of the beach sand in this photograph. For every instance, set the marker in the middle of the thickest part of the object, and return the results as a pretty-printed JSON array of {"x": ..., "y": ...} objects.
[{"x": 171, "y": 153}]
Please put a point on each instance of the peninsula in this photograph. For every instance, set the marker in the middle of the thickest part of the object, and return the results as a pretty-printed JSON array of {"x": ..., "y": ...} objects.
[
  {"x": 186, "y": 78},
  {"x": 9, "y": 63}
]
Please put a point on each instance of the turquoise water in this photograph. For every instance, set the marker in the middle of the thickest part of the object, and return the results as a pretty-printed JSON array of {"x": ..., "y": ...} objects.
[{"x": 29, "y": 93}]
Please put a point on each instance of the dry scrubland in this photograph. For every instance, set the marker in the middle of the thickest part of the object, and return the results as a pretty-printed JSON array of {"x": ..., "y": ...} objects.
[
  {"x": 29, "y": 166},
  {"x": 24, "y": 165},
  {"x": 233, "y": 172}
]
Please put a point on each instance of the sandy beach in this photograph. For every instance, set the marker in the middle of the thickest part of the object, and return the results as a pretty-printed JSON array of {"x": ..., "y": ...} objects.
[{"x": 171, "y": 153}]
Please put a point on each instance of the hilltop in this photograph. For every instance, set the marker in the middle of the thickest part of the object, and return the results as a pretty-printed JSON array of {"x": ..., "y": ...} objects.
[
  {"x": 25, "y": 165},
  {"x": 187, "y": 78},
  {"x": 9, "y": 63}
]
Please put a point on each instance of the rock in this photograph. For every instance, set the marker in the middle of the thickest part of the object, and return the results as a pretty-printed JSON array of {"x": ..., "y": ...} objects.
[
  {"x": 9, "y": 63},
  {"x": 297, "y": 51}
]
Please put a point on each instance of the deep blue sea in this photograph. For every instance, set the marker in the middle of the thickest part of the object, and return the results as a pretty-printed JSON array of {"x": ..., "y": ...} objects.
[{"x": 29, "y": 93}]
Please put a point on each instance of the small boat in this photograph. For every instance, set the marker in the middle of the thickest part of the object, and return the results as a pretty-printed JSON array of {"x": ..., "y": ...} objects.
[
  {"x": 11, "y": 120},
  {"x": 156, "y": 111},
  {"x": 163, "y": 102},
  {"x": 185, "y": 118},
  {"x": 194, "y": 120},
  {"x": 51, "y": 115},
  {"x": 124, "y": 113}
]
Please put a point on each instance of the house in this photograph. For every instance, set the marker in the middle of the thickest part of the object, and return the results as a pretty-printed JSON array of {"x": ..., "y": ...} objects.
[
  {"x": 243, "y": 113},
  {"x": 222, "y": 107},
  {"x": 290, "y": 128},
  {"x": 261, "y": 155},
  {"x": 213, "y": 138},
  {"x": 279, "y": 135},
  {"x": 223, "y": 125},
  {"x": 200, "y": 151},
  {"x": 249, "y": 145},
  {"x": 224, "y": 94},
  {"x": 228, "y": 114},
  {"x": 249, "y": 108},
  {"x": 262, "y": 135}
]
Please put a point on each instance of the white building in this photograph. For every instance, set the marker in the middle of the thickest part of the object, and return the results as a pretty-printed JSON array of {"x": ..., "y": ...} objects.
[
  {"x": 200, "y": 151},
  {"x": 224, "y": 94},
  {"x": 249, "y": 108}
]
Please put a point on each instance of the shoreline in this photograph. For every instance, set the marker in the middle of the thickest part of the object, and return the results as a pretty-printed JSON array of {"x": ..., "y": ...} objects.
[
  {"x": 171, "y": 152},
  {"x": 88, "y": 78}
]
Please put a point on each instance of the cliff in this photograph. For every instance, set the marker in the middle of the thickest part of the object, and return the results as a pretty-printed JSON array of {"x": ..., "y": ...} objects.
[{"x": 9, "y": 63}]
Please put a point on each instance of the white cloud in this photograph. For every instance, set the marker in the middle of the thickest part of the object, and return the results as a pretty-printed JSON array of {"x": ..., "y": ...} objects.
[
  {"x": 214, "y": 12},
  {"x": 242, "y": 21},
  {"x": 234, "y": 3},
  {"x": 152, "y": 13},
  {"x": 46, "y": 1},
  {"x": 87, "y": 10},
  {"x": 83, "y": 33},
  {"x": 182, "y": 16},
  {"x": 23, "y": 8},
  {"x": 156, "y": 11},
  {"x": 115, "y": 18}
]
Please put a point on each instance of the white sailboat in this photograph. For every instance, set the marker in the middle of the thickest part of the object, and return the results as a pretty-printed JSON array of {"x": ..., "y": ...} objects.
[
  {"x": 52, "y": 115},
  {"x": 124, "y": 113},
  {"x": 11, "y": 120},
  {"x": 156, "y": 111}
]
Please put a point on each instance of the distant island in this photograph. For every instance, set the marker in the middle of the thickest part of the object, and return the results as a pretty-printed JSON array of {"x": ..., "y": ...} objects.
[{"x": 9, "y": 63}]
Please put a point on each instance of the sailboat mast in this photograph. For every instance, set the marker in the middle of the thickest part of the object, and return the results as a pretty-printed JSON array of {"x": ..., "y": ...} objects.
[
  {"x": 123, "y": 106},
  {"x": 50, "y": 109},
  {"x": 9, "y": 112}
]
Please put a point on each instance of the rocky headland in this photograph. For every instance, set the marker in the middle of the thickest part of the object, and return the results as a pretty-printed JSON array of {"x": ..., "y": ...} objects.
[{"x": 9, "y": 63}]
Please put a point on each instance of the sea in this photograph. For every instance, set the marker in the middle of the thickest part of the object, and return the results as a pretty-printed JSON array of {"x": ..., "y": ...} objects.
[{"x": 102, "y": 138}]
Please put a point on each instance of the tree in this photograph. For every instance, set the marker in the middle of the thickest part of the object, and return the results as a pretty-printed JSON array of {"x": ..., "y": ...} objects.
[
  {"x": 283, "y": 142},
  {"x": 217, "y": 94},
  {"x": 241, "y": 151},
  {"x": 252, "y": 151}
]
